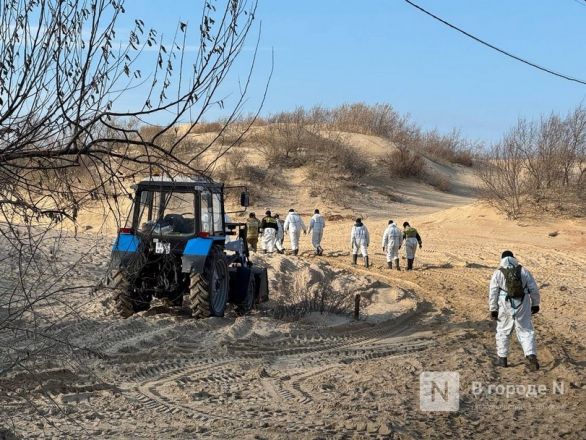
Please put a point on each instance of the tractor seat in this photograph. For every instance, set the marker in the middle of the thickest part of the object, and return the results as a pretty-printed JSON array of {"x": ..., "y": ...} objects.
[{"x": 180, "y": 224}]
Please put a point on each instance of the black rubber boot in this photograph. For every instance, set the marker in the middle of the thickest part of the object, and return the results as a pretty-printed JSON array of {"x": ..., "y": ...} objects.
[
  {"x": 389, "y": 264},
  {"x": 532, "y": 362},
  {"x": 502, "y": 362},
  {"x": 366, "y": 262},
  {"x": 410, "y": 264},
  {"x": 397, "y": 264},
  {"x": 354, "y": 259},
  {"x": 296, "y": 251}
]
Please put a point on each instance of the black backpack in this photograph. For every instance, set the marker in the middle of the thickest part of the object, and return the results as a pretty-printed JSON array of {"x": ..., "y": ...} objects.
[{"x": 513, "y": 282}]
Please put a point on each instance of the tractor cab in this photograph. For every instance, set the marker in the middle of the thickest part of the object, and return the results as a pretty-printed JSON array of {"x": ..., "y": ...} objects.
[
  {"x": 178, "y": 245},
  {"x": 179, "y": 209}
]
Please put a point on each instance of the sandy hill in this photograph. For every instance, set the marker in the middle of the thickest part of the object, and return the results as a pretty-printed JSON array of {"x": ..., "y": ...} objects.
[{"x": 377, "y": 193}]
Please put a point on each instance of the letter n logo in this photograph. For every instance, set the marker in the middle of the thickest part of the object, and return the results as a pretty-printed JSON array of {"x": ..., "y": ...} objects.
[{"x": 439, "y": 391}]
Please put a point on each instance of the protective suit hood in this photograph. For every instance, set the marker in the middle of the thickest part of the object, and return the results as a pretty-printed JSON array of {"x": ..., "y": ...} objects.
[{"x": 508, "y": 262}]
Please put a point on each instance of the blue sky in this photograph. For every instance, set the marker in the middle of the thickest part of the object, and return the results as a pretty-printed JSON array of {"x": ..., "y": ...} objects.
[{"x": 333, "y": 52}]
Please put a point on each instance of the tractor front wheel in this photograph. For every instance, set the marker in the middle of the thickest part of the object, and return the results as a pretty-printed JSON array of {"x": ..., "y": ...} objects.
[{"x": 208, "y": 291}]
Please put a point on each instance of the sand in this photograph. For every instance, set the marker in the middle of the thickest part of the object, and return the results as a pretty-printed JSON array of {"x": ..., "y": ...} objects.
[{"x": 160, "y": 374}]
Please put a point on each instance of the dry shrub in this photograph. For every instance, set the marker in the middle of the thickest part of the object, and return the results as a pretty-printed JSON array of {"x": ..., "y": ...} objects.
[
  {"x": 207, "y": 127},
  {"x": 236, "y": 170},
  {"x": 351, "y": 162},
  {"x": 322, "y": 183},
  {"x": 292, "y": 133},
  {"x": 450, "y": 147},
  {"x": 232, "y": 136},
  {"x": 285, "y": 145},
  {"x": 404, "y": 163},
  {"x": 378, "y": 119},
  {"x": 307, "y": 295},
  {"x": 538, "y": 165},
  {"x": 438, "y": 181}
]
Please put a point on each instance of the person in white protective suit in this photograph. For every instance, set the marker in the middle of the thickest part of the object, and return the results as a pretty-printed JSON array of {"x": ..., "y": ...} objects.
[
  {"x": 280, "y": 235},
  {"x": 412, "y": 239},
  {"x": 392, "y": 241},
  {"x": 513, "y": 298},
  {"x": 294, "y": 225},
  {"x": 359, "y": 241},
  {"x": 316, "y": 228},
  {"x": 269, "y": 229}
]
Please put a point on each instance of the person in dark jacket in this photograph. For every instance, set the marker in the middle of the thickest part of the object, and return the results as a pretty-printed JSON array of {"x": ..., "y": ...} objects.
[
  {"x": 412, "y": 239},
  {"x": 269, "y": 228}
]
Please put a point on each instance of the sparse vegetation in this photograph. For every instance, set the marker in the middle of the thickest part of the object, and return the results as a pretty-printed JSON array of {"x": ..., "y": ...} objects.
[
  {"x": 292, "y": 132},
  {"x": 438, "y": 181},
  {"x": 402, "y": 162},
  {"x": 308, "y": 296},
  {"x": 315, "y": 138},
  {"x": 539, "y": 165}
]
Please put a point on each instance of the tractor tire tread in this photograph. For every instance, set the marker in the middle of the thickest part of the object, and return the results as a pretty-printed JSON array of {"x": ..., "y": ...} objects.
[
  {"x": 119, "y": 282},
  {"x": 199, "y": 286}
]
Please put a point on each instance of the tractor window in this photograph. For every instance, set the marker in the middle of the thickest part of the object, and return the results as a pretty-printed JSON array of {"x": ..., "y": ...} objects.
[
  {"x": 177, "y": 213},
  {"x": 148, "y": 209},
  {"x": 217, "y": 214},
  {"x": 166, "y": 213},
  {"x": 206, "y": 212}
]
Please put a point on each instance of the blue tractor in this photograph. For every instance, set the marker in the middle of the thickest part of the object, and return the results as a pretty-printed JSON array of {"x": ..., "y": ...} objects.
[{"x": 178, "y": 246}]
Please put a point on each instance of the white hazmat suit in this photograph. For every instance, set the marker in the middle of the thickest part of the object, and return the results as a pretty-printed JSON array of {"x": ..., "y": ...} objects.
[
  {"x": 513, "y": 312},
  {"x": 316, "y": 227},
  {"x": 294, "y": 225},
  {"x": 269, "y": 227},
  {"x": 269, "y": 237},
  {"x": 392, "y": 241},
  {"x": 359, "y": 239},
  {"x": 280, "y": 236}
]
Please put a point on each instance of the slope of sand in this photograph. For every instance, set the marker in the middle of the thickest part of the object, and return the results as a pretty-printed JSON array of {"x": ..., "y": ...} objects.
[{"x": 163, "y": 375}]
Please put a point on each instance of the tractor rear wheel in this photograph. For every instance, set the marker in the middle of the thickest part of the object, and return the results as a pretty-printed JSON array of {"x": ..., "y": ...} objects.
[
  {"x": 208, "y": 291},
  {"x": 122, "y": 293},
  {"x": 248, "y": 301}
]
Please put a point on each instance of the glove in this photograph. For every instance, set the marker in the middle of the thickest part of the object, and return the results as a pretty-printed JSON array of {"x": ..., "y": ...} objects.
[
  {"x": 494, "y": 315},
  {"x": 534, "y": 310}
]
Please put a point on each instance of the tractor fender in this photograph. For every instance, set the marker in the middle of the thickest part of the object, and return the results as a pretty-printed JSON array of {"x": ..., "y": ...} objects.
[
  {"x": 124, "y": 247},
  {"x": 195, "y": 254},
  {"x": 239, "y": 279}
]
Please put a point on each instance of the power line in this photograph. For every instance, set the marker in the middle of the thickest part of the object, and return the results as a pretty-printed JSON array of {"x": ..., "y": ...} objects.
[{"x": 504, "y": 52}]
